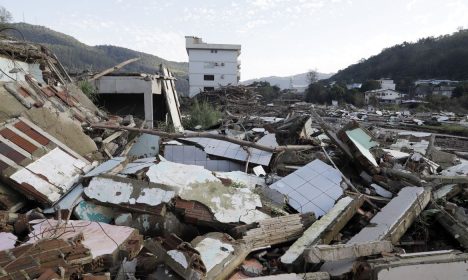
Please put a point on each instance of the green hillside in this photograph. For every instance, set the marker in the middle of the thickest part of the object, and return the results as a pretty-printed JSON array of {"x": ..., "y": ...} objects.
[
  {"x": 444, "y": 57},
  {"x": 77, "y": 57}
]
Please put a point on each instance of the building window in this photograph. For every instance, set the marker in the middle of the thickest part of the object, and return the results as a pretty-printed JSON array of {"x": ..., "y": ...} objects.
[
  {"x": 208, "y": 89},
  {"x": 208, "y": 77},
  {"x": 214, "y": 51}
]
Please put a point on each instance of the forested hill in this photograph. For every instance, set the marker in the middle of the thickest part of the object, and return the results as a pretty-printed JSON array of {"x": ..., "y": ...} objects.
[
  {"x": 76, "y": 56},
  {"x": 444, "y": 57}
]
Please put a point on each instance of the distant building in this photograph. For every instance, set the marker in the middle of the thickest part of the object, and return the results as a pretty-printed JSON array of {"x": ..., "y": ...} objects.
[
  {"x": 389, "y": 96},
  {"x": 386, "y": 84},
  {"x": 299, "y": 88},
  {"x": 434, "y": 82},
  {"x": 443, "y": 90},
  {"x": 211, "y": 65},
  {"x": 354, "y": 86},
  {"x": 148, "y": 97}
]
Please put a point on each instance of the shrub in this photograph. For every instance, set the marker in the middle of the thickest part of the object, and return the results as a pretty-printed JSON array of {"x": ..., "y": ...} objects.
[
  {"x": 203, "y": 114},
  {"x": 88, "y": 89}
]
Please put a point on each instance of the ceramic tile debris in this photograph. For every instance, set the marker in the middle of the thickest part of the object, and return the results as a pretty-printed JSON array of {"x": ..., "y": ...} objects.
[{"x": 312, "y": 188}]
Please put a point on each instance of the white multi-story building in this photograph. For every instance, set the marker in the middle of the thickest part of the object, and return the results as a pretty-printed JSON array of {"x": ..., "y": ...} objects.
[
  {"x": 211, "y": 65},
  {"x": 383, "y": 96},
  {"x": 386, "y": 84}
]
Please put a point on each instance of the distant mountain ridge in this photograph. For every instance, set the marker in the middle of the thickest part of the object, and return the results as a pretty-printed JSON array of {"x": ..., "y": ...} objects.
[
  {"x": 78, "y": 57},
  {"x": 443, "y": 57},
  {"x": 285, "y": 82}
]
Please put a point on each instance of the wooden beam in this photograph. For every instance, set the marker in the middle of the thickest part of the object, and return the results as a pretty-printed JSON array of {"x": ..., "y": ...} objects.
[
  {"x": 319, "y": 253},
  {"x": 115, "y": 68},
  {"x": 177, "y": 135},
  {"x": 323, "y": 230}
]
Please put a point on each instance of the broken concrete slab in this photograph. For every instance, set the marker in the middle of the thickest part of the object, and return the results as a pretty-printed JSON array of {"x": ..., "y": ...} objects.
[
  {"x": 50, "y": 176},
  {"x": 389, "y": 224},
  {"x": 180, "y": 256},
  {"x": 418, "y": 266},
  {"x": 229, "y": 204},
  {"x": 312, "y": 188},
  {"x": 220, "y": 254},
  {"x": 103, "y": 240},
  {"x": 319, "y": 253},
  {"x": 241, "y": 179},
  {"x": 115, "y": 190},
  {"x": 323, "y": 230}
]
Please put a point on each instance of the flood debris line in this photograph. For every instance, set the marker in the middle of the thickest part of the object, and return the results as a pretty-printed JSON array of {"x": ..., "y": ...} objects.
[{"x": 268, "y": 190}]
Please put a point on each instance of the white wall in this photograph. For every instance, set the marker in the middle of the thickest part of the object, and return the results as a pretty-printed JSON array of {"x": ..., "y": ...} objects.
[
  {"x": 223, "y": 64},
  {"x": 387, "y": 84},
  {"x": 126, "y": 85},
  {"x": 6, "y": 64}
]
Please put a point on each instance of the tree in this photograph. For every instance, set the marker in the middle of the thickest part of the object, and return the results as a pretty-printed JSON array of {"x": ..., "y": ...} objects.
[
  {"x": 312, "y": 76},
  {"x": 370, "y": 85},
  {"x": 316, "y": 93},
  {"x": 5, "y": 15}
]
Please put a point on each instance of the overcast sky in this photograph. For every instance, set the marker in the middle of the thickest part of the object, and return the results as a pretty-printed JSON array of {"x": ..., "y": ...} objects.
[{"x": 278, "y": 37}]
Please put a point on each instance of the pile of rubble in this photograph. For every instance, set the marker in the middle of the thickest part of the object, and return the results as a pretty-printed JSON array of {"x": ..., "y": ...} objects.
[{"x": 283, "y": 194}]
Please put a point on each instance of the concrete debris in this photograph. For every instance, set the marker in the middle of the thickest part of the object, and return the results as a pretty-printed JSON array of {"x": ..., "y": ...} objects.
[
  {"x": 419, "y": 266},
  {"x": 276, "y": 230},
  {"x": 103, "y": 240},
  {"x": 388, "y": 224},
  {"x": 323, "y": 230},
  {"x": 319, "y": 253},
  {"x": 270, "y": 188},
  {"x": 196, "y": 183}
]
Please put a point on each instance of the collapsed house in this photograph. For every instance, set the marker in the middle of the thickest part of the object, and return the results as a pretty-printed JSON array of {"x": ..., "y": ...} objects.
[{"x": 279, "y": 191}]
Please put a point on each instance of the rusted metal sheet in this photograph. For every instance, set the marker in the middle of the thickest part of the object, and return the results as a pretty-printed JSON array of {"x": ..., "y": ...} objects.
[
  {"x": 18, "y": 140},
  {"x": 26, "y": 129}
]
